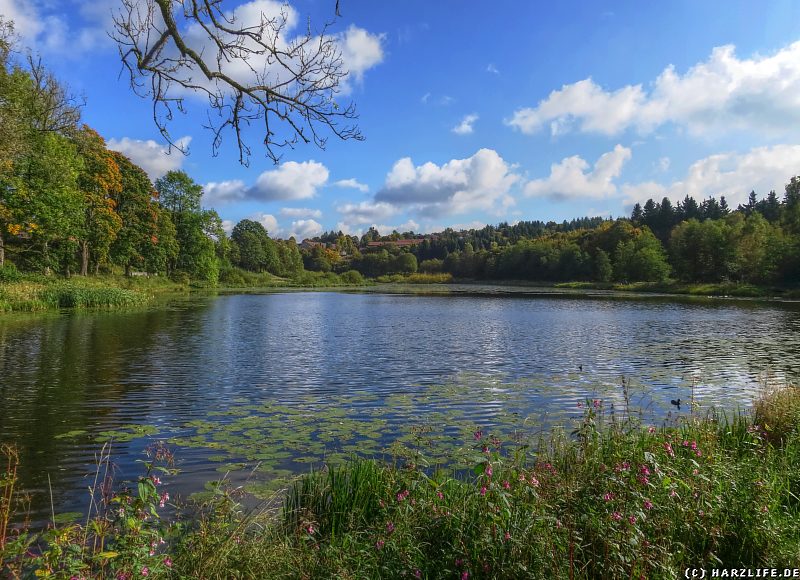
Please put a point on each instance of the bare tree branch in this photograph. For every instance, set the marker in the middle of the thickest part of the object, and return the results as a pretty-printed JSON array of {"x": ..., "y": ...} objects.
[{"x": 249, "y": 72}]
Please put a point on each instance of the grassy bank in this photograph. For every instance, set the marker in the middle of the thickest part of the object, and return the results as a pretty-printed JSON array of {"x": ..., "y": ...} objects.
[
  {"x": 705, "y": 289},
  {"x": 33, "y": 293},
  {"x": 612, "y": 499}
]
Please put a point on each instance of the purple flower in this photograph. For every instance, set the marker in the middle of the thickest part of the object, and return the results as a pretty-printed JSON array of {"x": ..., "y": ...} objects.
[
  {"x": 168, "y": 562},
  {"x": 483, "y": 490},
  {"x": 616, "y": 516},
  {"x": 478, "y": 434},
  {"x": 648, "y": 505},
  {"x": 464, "y": 575},
  {"x": 651, "y": 430},
  {"x": 379, "y": 544},
  {"x": 390, "y": 527},
  {"x": 632, "y": 520},
  {"x": 145, "y": 571},
  {"x": 596, "y": 403},
  {"x": 489, "y": 471},
  {"x": 506, "y": 485},
  {"x": 609, "y": 496}
]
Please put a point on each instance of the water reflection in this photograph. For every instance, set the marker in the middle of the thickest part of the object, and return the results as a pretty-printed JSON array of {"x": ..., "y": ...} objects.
[{"x": 99, "y": 372}]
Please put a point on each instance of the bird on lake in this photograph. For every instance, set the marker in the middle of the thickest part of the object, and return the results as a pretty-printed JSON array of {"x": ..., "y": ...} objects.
[
  {"x": 676, "y": 402},
  {"x": 580, "y": 368}
]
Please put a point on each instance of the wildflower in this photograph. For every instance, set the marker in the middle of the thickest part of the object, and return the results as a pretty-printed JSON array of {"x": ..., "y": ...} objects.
[
  {"x": 151, "y": 553},
  {"x": 673, "y": 493},
  {"x": 534, "y": 481},
  {"x": 478, "y": 434},
  {"x": 506, "y": 485},
  {"x": 644, "y": 480},
  {"x": 701, "y": 513},
  {"x": 390, "y": 527},
  {"x": 507, "y": 536},
  {"x": 485, "y": 449},
  {"x": 489, "y": 471},
  {"x": 402, "y": 495},
  {"x": 609, "y": 496},
  {"x": 380, "y": 503},
  {"x": 379, "y": 544},
  {"x": 685, "y": 443},
  {"x": 596, "y": 403},
  {"x": 464, "y": 575},
  {"x": 417, "y": 574},
  {"x": 145, "y": 571},
  {"x": 156, "y": 480},
  {"x": 164, "y": 499},
  {"x": 522, "y": 478},
  {"x": 440, "y": 495},
  {"x": 310, "y": 529},
  {"x": 695, "y": 472},
  {"x": 459, "y": 561},
  {"x": 483, "y": 490},
  {"x": 644, "y": 470},
  {"x": 651, "y": 430},
  {"x": 669, "y": 450},
  {"x": 632, "y": 520},
  {"x": 616, "y": 516},
  {"x": 580, "y": 405},
  {"x": 648, "y": 505},
  {"x": 168, "y": 562},
  {"x": 764, "y": 509},
  {"x": 694, "y": 445},
  {"x": 698, "y": 453}
]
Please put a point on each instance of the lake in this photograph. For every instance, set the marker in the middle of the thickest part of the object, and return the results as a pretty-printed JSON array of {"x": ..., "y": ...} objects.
[{"x": 257, "y": 387}]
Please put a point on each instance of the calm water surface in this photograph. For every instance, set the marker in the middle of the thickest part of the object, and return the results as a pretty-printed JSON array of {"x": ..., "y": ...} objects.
[{"x": 317, "y": 366}]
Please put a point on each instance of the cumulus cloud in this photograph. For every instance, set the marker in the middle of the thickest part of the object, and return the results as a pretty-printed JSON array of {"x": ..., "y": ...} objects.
[
  {"x": 222, "y": 192},
  {"x": 361, "y": 51},
  {"x": 154, "y": 158},
  {"x": 300, "y": 212},
  {"x": 492, "y": 69},
  {"x": 45, "y": 26},
  {"x": 290, "y": 181},
  {"x": 268, "y": 221},
  {"x": 367, "y": 212},
  {"x": 352, "y": 183},
  {"x": 465, "y": 127},
  {"x": 480, "y": 182},
  {"x": 302, "y": 229},
  {"x": 760, "y": 94},
  {"x": 733, "y": 175},
  {"x": 573, "y": 178}
]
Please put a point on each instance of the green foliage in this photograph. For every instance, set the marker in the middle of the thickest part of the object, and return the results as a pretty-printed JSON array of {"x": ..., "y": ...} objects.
[{"x": 9, "y": 273}]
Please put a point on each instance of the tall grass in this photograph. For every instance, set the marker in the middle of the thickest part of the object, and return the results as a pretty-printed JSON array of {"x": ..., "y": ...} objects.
[{"x": 611, "y": 499}]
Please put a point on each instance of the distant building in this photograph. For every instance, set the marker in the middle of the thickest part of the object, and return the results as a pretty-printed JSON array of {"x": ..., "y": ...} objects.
[{"x": 398, "y": 243}]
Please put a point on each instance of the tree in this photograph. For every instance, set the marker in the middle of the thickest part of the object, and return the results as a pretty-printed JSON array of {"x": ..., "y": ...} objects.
[
  {"x": 603, "y": 270},
  {"x": 257, "y": 251},
  {"x": 99, "y": 182},
  {"x": 289, "y": 85},
  {"x": 406, "y": 263}
]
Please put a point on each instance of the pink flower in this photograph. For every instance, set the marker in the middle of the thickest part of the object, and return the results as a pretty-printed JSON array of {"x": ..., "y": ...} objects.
[
  {"x": 483, "y": 490},
  {"x": 485, "y": 449},
  {"x": 648, "y": 505},
  {"x": 417, "y": 574},
  {"x": 522, "y": 477},
  {"x": 168, "y": 562},
  {"x": 478, "y": 434},
  {"x": 668, "y": 449},
  {"x": 596, "y": 403},
  {"x": 380, "y": 503},
  {"x": 644, "y": 470},
  {"x": 694, "y": 445},
  {"x": 507, "y": 536},
  {"x": 534, "y": 481},
  {"x": 310, "y": 529},
  {"x": 701, "y": 513},
  {"x": 608, "y": 497},
  {"x": 685, "y": 443},
  {"x": 464, "y": 575},
  {"x": 764, "y": 509},
  {"x": 695, "y": 472},
  {"x": 673, "y": 493},
  {"x": 489, "y": 471},
  {"x": 164, "y": 499},
  {"x": 440, "y": 495},
  {"x": 651, "y": 430},
  {"x": 616, "y": 516},
  {"x": 644, "y": 480},
  {"x": 379, "y": 544},
  {"x": 632, "y": 519},
  {"x": 145, "y": 571},
  {"x": 506, "y": 485},
  {"x": 698, "y": 453},
  {"x": 390, "y": 527}
]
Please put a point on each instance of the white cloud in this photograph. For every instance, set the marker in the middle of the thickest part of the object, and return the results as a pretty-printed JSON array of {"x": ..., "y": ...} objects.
[
  {"x": 367, "y": 212},
  {"x": 573, "y": 178},
  {"x": 154, "y": 158},
  {"x": 760, "y": 94},
  {"x": 43, "y": 25},
  {"x": 361, "y": 51},
  {"x": 480, "y": 182},
  {"x": 353, "y": 183},
  {"x": 302, "y": 229},
  {"x": 733, "y": 175},
  {"x": 492, "y": 69},
  {"x": 425, "y": 98},
  {"x": 290, "y": 181},
  {"x": 663, "y": 164},
  {"x": 228, "y": 226},
  {"x": 300, "y": 212},
  {"x": 221, "y": 192},
  {"x": 465, "y": 127},
  {"x": 268, "y": 221}
]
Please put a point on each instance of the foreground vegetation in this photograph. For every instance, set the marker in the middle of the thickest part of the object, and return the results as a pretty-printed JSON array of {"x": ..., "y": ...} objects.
[{"x": 612, "y": 499}]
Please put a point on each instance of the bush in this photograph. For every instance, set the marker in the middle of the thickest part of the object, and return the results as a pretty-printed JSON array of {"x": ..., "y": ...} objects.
[
  {"x": 9, "y": 273},
  {"x": 352, "y": 277}
]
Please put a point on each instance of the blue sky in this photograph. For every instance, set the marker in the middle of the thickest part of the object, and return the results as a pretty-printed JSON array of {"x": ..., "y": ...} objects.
[{"x": 477, "y": 114}]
